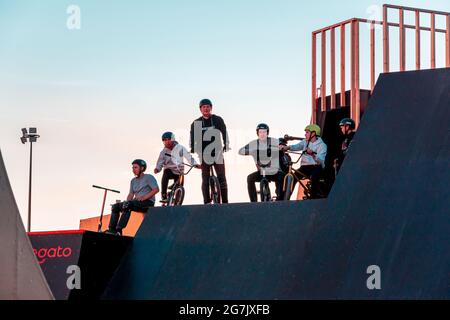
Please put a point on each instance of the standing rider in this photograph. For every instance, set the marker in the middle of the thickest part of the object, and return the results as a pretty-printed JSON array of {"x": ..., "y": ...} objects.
[{"x": 207, "y": 134}]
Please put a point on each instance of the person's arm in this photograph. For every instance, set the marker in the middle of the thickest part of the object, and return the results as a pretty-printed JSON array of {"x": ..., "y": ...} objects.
[
  {"x": 223, "y": 129},
  {"x": 149, "y": 195},
  {"x": 298, "y": 147},
  {"x": 192, "y": 144},
  {"x": 245, "y": 150},
  {"x": 155, "y": 189},
  {"x": 130, "y": 193},
  {"x": 349, "y": 142},
  {"x": 186, "y": 155},
  {"x": 160, "y": 162},
  {"x": 321, "y": 154}
]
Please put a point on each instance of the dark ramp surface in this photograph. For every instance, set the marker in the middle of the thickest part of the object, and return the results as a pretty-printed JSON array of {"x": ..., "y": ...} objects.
[{"x": 389, "y": 207}]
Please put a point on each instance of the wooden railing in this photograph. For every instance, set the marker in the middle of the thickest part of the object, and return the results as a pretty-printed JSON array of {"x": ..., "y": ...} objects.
[{"x": 354, "y": 24}]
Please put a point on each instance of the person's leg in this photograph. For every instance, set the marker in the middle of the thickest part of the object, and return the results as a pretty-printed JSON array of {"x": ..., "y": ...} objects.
[
  {"x": 173, "y": 176},
  {"x": 134, "y": 205},
  {"x": 302, "y": 173},
  {"x": 278, "y": 179},
  {"x": 205, "y": 183},
  {"x": 165, "y": 183},
  {"x": 251, "y": 180},
  {"x": 115, "y": 215},
  {"x": 220, "y": 171},
  {"x": 316, "y": 172},
  {"x": 308, "y": 171},
  {"x": 167, "y": 176}
]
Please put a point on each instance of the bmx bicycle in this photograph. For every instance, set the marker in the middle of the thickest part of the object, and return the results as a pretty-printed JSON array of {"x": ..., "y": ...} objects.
[
  {"x": 294, "y": 175},
  {"x": 175, "y": 196}
]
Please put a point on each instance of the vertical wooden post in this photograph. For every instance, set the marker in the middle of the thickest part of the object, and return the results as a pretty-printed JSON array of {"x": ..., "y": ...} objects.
[
  {"x": 357, "y": 112},
  {"x": 447, "y": 43},
  {"x": 385, "y": 40},
  {"x": 323, "y": 87},
  {"x": 314, "y": 80},
  {"x": 343, "y": 102},
  {"x": 417, "y": 40},
  {"x": 402, "y": 39},
  {"x": 372, "y": 56},
  {"x": 352, "y": 71},
  {"x": 333, "y": 69},
  {"x": 433, "y": 41}
]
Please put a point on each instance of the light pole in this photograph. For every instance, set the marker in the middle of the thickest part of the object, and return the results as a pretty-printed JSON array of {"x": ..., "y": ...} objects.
[{"x": 32, "y": 136}]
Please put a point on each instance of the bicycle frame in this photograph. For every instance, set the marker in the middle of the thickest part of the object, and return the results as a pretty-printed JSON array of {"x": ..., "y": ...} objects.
[
  {"x": 293, "y": 172},
  {"x": 179, "y": 183},
  {"x": 264, "y": 180}
]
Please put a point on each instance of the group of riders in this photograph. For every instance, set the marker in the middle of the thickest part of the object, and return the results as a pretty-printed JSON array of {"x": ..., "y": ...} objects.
[{"x": 209, "y": 140}]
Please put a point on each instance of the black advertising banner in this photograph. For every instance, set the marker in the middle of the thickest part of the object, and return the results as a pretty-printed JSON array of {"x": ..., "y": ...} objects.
[
  {"x": 58, "y": 254},
  {"x": 78, "y": 264}
]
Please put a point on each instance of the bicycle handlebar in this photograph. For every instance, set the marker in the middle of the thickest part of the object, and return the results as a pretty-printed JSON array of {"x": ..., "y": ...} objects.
[
  {"x": 182, "y": 163},
  {"x": 290, "y": 138}
]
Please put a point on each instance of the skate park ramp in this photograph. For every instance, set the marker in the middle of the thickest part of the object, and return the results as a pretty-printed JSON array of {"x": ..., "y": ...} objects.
[
  {"x": 388, "y": 211},
  {"x": 21, "y": 277}
]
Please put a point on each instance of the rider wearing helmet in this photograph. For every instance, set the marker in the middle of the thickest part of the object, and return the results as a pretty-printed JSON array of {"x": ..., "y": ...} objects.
[
  {"x": 266, "y": 154},
  {"x": 141, "y": 197},
  {"x": 314, "y": 153},
  {"x": 207, "y": 134},
  {"x": 171, "y": 160},
  {"x": 347, "y": 126}
]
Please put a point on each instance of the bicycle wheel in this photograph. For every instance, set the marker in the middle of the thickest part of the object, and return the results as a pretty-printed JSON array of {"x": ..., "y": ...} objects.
[
  {"x": 214, "y": 187},
  {"x": 178, "y": 196},
  {"x": 288, "y": 186},
  {"x": 169, "y": 199},
  {"x": 265, "y": 190}
]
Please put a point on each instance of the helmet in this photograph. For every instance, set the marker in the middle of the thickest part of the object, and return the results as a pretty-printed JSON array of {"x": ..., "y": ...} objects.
[
  {"x": 347, "y": 121},
  {"x": 205, "y": 102},
  {"x": 262, "y": 126},
  {"x": 313, "y": 128},
  {"x": 140, "y": 163},
  {"x": 168, "y": 135}
]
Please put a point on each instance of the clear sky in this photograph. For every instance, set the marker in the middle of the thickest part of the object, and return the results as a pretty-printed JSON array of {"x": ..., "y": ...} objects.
[{"x": 102, "y": 95}]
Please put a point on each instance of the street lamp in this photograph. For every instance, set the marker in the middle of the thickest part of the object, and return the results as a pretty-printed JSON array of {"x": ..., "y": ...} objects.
[{"x": 32, "y": 136}]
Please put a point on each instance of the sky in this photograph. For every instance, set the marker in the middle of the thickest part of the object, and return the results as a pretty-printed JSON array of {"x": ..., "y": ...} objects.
[{"x": 103, "y": 82}]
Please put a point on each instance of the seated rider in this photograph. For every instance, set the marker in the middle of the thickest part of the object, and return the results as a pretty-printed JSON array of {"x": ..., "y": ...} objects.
[
  {"x": 171, "y": 160},
  {"x": 141, "y": 197},
  {"x": 347, "y": 126},
  {"x": 266, "y": 154},
  {"x": 313, "y": 159}
]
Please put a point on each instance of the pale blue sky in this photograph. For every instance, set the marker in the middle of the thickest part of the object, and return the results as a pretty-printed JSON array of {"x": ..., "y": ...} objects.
[{"x": 102, "y": 95}]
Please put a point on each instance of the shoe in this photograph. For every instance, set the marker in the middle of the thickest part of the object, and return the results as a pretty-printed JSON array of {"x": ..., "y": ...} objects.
[{"x": 109, "y": 232}]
